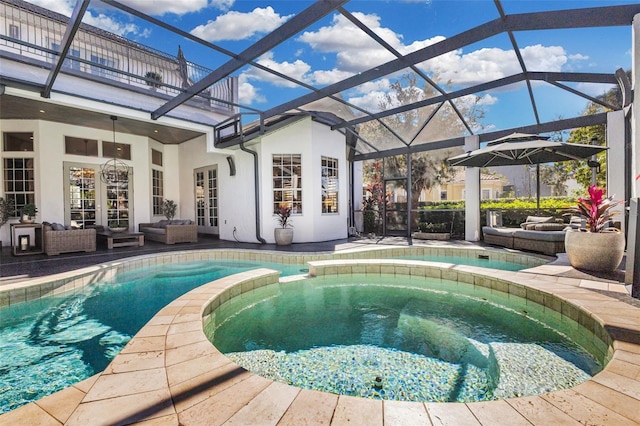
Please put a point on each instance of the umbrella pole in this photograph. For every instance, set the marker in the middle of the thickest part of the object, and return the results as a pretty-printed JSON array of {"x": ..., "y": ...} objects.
[{"x": 537, "y": 188}]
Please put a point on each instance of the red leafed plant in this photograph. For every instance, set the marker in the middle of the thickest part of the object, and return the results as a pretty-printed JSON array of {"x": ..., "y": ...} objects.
[
  {"x": 284, "y": 212},
  {"x": 596, "y": 209}
]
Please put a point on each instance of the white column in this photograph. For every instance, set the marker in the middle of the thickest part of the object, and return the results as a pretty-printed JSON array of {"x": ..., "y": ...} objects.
[
  {"x": 615, "y": 159},
  {"x": 635, "y": 125},
  {"x": 472, "y": 194}
]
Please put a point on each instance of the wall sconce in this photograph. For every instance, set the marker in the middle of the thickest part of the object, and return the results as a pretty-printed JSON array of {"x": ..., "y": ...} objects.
[{"x": 23, "y": 241}]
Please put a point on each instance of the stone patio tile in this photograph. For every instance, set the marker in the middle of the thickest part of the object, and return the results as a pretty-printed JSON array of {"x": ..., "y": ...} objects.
[
  {"x": 404, "y": 413},
  {"x": 161, "y": 319},
  {"x": 187, "y": 352},
  {"x": 619, "y": 383},
  {"x": 191, "y": 392},
  {"x": 450, "y": 414},
  {"x": 170, "y": 420},
  {"x": 584, "y": 409},
  {"x": 497, "y": 413},
  {"x": 357, "y": 411},
  {"x": 29, "y": 414},
  {"x": 219, "y": 408},
  {"x": 136, "y": 361},
  {"x": 310, "y": 407},
  {"x": 153, "y": 330},
  {"x": 130, "y": 383},
  {"x": 86, "y": 384},
  {"x": 620, "y": 403},
  {"x": 61, "y": 404},
  {"x": 540, "y": 412},
  {"x": 624, "y": 368},
  {"x": 124, "y": 410},
  {"x": 187, "y": 370},
  {"x": 185, "y": 338},
  {"x": 184, "y": 327},
  {"x": 267, "y": 407},
  {"x": 144, "y": 344}
]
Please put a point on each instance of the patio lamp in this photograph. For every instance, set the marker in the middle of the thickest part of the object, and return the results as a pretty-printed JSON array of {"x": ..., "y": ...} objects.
[{"x": 114, "y": 167}]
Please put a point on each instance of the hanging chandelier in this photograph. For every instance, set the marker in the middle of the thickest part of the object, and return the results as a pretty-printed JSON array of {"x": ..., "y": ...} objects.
[{"x": 114, "y": 168}]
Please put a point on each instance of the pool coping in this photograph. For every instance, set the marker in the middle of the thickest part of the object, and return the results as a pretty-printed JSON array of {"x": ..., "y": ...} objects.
[{"x": 169, "y": 373}]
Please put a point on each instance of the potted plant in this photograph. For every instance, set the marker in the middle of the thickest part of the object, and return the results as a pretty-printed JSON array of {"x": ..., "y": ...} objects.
[
  {"x": 169, "y": 209},
  {"x": 28, "y": 213},
  {"x": 153, "y": 79},
  {"x": 284, "y": 234},
  {"x": 118, "y": 225},
  {"x": 6, "y": 211},
  {"x": 432, "y": 231},
  {"x": 598, "y": 247}
]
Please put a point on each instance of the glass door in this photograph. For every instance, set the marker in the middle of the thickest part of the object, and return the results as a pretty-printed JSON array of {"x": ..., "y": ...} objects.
[
  {"x": 395, "y": 212},
  {"x": 80, "y": 199},
  {"x": 206, "y": 198},
  {"x": 89, "y": 201}
]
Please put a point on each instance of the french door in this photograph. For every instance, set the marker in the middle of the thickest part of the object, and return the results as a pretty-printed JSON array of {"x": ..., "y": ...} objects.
[
  {"x": 206, "y": 198},
  {"x": 89, "y": 201}
]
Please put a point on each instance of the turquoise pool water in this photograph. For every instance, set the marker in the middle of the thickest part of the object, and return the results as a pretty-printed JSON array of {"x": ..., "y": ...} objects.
[
  {"x": 397, "y": 338},
  {"x": 51, "y": 343}
]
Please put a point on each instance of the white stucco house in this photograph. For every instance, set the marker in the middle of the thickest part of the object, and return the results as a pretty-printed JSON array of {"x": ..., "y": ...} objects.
[{"x": 55, "y": 146}]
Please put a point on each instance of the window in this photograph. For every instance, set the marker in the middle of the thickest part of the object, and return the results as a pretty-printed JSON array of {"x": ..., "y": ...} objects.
[
  {"x": 14, "y": 31},
  {"x": 19, "y": 182},
  {"x": 121, "y": 151},
  {"x": 157, "y": 180},
  {"x": 443, "y": 195},
  {"x": 18, "y": 142},
  {"x": 79, "y": 146},
  {"x": 101, "y": 63},
  {"x": 287, "y": 182},
  {"x": 68, "y": 63},
  {"x": 486, "y": 194},
  {"x": 156, "y": 157},
  {"x": 329, "y": 181}
]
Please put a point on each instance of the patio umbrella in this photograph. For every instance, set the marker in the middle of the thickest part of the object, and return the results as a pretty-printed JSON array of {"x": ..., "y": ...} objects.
[
  {"x": 523, "y": 148},
  {"x": 183, "y": 68}
]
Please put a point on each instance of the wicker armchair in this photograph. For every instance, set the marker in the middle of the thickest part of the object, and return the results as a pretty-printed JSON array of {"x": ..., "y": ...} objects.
[{"x": 68, "y": 240}]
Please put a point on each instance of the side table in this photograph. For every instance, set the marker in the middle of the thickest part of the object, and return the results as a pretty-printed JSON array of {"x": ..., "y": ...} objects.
[{"x": 21, "y": 234}]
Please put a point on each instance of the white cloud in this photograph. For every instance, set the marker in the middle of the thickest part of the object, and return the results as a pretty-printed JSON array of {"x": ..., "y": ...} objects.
[
  {"x": 248, "y": 94},
  {"x": 297, "y": 69},
  {"x": 240, "y": 26},
  {"x": 65, "y": 7},
  {"x": 162, "y": 7},
  {"x": 579, "y": 57}
]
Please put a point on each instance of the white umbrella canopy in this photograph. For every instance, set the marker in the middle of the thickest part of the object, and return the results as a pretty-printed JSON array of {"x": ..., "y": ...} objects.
[{"x": 521, "y": 148}]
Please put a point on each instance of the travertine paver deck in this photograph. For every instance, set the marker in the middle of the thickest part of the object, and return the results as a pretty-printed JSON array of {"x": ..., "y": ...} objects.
[{"x": 170, "y": 374}]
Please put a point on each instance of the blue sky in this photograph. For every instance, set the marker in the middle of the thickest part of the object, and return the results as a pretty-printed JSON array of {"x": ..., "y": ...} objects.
[{"x": 333, "y": 48}]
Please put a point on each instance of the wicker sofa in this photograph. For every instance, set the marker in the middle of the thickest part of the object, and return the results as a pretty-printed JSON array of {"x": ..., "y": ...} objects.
[
  {"x": 539, "y": 234},
  {"x": 58, "y": 241},
  {"x": 170, "y": 231}
]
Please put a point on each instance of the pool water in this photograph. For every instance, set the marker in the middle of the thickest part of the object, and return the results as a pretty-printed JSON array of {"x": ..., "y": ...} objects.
[
  {"x": 51, "y": 343},
  {"x": 472, "y": 261},
  {"x": 401, "y": 339}
]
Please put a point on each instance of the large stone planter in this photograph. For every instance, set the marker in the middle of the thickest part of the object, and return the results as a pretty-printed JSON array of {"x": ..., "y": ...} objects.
[
  {"x": 431, "y": 235},
  {"x": 595, "y": 251},
  {"x": 283, "y": 236}
]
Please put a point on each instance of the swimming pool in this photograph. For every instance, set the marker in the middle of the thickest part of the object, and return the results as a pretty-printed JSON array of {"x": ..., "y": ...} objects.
[
  {"x": 49, "y": 343},
  {"x": 397, "y": 338}
]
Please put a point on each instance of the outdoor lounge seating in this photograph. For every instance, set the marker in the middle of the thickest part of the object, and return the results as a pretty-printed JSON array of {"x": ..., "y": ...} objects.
[
  {"x": 58, "y": 239},
  {"x": 170, "y": 231},
  {"x": 539, "y": 234}
]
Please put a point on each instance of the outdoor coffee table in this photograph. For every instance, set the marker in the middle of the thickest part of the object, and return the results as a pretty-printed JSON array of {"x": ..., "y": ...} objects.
[{"x": 121, "y": 239}]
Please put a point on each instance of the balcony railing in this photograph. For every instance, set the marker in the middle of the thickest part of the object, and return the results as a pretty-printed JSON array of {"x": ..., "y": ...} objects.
[{"x": 35, "y": 35}]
